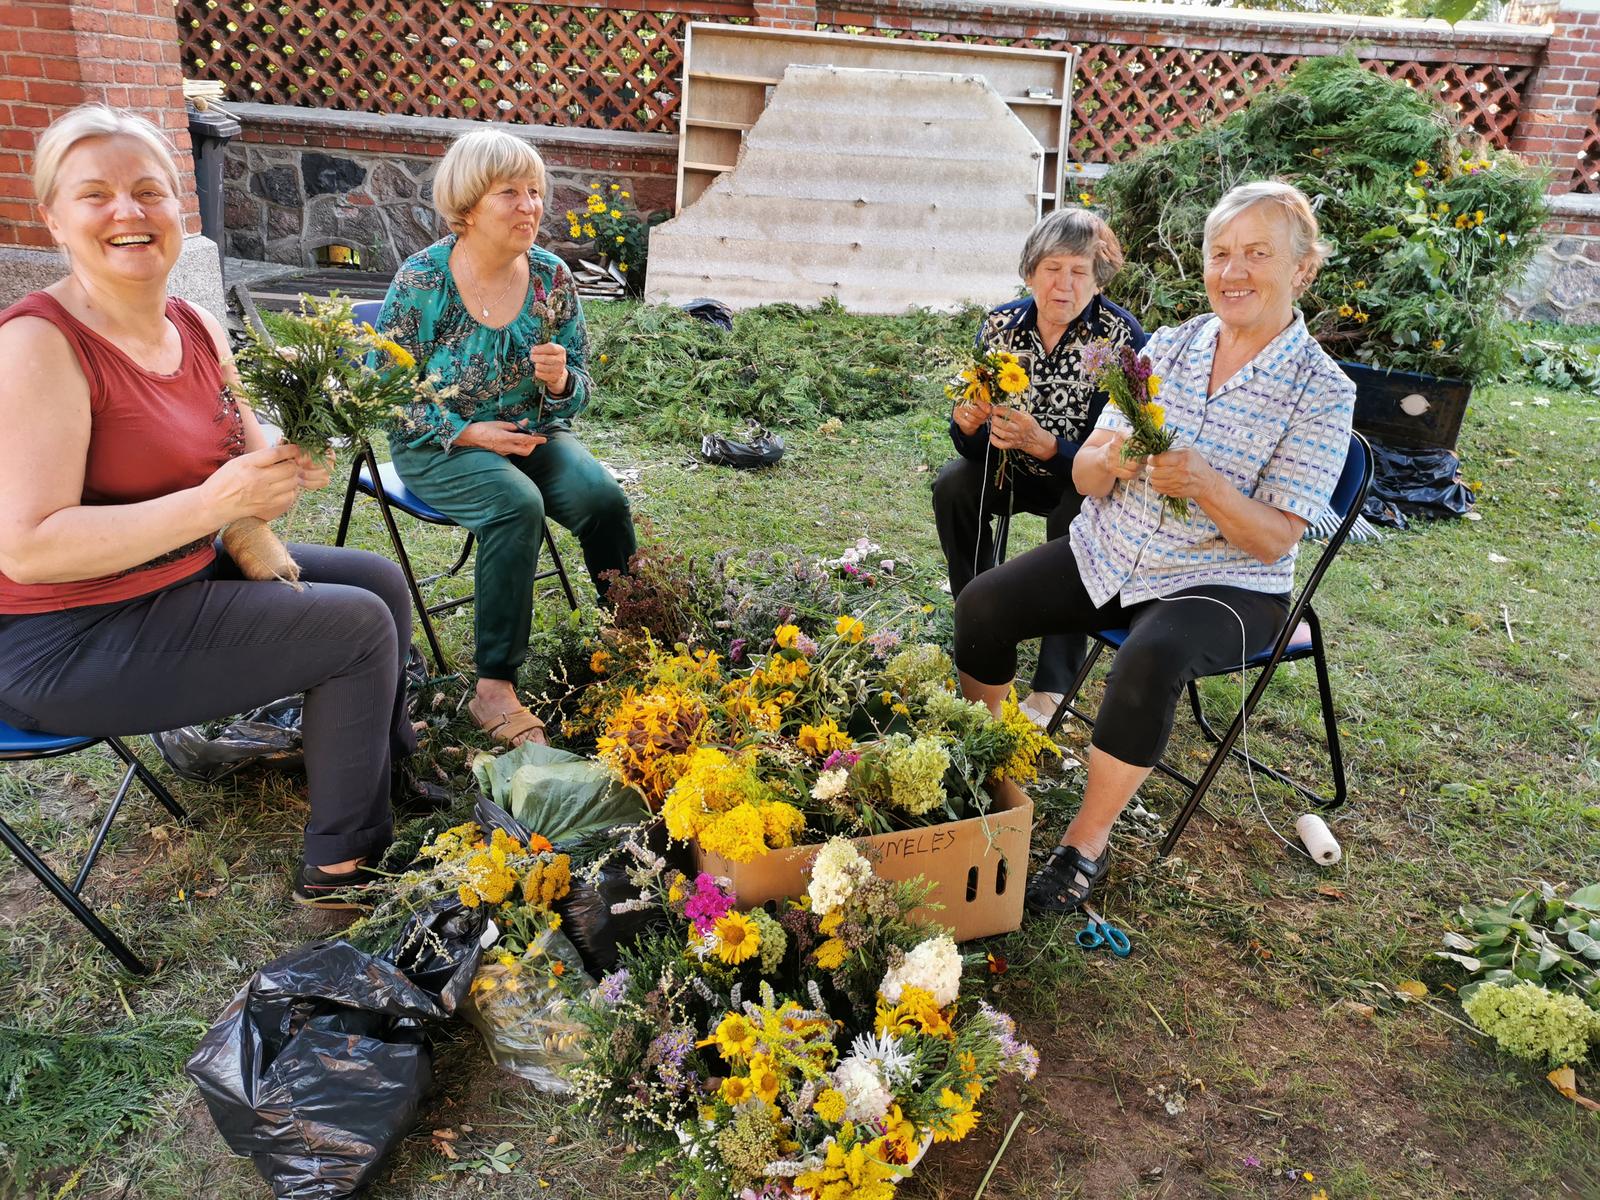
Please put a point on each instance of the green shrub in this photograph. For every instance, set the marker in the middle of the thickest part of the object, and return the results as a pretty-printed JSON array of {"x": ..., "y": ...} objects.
[{"x": 1428, "y": 223}]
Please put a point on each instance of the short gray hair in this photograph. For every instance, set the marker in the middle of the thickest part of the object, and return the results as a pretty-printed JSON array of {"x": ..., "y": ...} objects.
[
  {"x": 97, "y": 120},
  {"x": 1289, "y": 202},
  {"x": 1073, "y": 231},
  {"x": 477, "y": 161}
]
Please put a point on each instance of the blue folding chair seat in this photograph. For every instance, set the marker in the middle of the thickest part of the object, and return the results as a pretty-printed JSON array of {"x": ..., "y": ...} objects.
[
  {"x": 369, "y": 477},
  {"x": 1301, "y": 637},
  {"x": 21, "y": 745}
]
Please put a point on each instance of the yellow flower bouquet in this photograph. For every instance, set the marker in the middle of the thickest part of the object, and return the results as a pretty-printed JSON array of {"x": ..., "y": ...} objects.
[{"x": 986, "y": 380}]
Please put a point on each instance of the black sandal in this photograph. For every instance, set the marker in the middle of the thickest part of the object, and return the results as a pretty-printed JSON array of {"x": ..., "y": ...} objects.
[{"x": 1056, "y": 889}]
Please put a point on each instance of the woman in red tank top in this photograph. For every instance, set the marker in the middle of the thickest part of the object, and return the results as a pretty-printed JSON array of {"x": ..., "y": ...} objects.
[{"x": 128, "y": 447}]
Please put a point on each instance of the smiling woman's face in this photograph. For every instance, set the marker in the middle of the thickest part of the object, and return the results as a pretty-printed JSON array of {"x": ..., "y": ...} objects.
[
  {"x": 115, "y": 212},
  {"x": 509, "y": 213},
  {"x": 1252, "y": 276}
]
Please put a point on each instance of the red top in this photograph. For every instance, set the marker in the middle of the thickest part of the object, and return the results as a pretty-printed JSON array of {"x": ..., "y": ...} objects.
[{"x": 152, "y": 435}]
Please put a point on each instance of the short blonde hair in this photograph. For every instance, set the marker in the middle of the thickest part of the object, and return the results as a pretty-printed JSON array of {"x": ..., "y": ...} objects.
[
  {"x": 96, "y": 120},
  {"x": 1305, "y": 240},
  {"x": 474, "y": 163}
]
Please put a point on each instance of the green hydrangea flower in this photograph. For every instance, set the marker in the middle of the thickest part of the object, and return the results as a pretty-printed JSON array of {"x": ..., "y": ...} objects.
[{"x": 1535, "y": 1023}]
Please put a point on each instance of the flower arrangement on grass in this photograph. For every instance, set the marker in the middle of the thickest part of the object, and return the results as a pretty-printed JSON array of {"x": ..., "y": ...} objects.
[
  {"x": 847, "y": 733},
  {"x": 814, "y": 1055}
]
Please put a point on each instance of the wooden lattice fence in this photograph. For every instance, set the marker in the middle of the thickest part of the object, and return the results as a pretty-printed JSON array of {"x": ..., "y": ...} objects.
[
  {"x": 1586, "y": 179},
  {"x": 584, "y": 67}
]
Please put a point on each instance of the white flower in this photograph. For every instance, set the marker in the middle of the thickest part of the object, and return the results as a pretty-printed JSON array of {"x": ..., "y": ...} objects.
[
  {"x": 884, "y": 1052},
  {"x": 887, "y": 564},
  {"x": 933, "y": 965},
  {"x": 865, "y": 1097},
  {"x": 503, "y": 105},
  {"x": 836, "y": 874},
  {"x": 830, "y": 784}
]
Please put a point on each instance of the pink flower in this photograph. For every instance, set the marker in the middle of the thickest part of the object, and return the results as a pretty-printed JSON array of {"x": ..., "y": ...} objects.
[{"x": 708, "y": 905}]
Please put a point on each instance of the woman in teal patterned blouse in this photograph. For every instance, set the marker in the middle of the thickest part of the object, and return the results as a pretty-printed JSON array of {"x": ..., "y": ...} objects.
[{"x": 497, "y": 322}]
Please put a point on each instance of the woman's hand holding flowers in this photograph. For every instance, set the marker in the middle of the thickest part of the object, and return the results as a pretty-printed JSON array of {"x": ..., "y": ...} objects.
[
  {"x": 1117, "y": 466},
  {"x": 315, "y": 474},
  {"x": 550, "y": 366},
  {"x": 1183, "y": 474},
  {"x": 1014, "y": 429},
  {"x": 503, "y": 437},
  {"x": 969, "y": 416}
]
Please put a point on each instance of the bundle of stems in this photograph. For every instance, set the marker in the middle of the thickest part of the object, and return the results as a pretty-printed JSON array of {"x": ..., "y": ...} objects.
[{"x": 325, "y": 382}]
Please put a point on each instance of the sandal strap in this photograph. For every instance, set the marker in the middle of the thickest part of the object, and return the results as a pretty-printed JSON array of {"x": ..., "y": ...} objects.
[{"x": 1057, "y": 880}]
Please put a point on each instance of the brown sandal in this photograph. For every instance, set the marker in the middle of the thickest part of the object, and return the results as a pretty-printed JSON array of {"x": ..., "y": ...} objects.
[{"x": 509, "y": 728}]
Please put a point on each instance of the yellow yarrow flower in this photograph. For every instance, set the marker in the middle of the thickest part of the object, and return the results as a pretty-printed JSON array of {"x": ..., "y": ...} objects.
[
  {"x": 831, "y": 954},
  {"x": 830, "y": 1106}
]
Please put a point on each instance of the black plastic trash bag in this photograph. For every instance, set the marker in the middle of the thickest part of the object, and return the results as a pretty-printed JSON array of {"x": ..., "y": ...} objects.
[
  {"x": 761, "y": 450},
  {"x": 267, "y": 736},
  {"x": 317, "y": 1068},
  {"x": 713, "y": 312},
  {"x": 439, "y": 949},
  {"x": 1415, "y": 483}
]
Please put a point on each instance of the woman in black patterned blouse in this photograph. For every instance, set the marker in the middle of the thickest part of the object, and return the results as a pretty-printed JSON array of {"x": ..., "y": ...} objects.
[{"x": 1070, "y": 255}]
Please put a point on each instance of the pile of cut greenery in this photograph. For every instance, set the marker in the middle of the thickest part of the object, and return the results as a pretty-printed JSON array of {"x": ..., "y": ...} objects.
[
  {"x": 1427, "y": 221},
  {"x": 780, "y": 366}
]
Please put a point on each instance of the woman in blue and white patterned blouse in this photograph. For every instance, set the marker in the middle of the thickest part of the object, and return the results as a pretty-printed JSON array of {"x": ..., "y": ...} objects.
[
  {"x": 497, "y": 321},
  {"x": 1262, "y": 418}
]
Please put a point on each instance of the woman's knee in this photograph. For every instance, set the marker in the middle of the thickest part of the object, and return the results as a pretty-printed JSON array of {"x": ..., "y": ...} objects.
[{"x": 980, "y": 618}]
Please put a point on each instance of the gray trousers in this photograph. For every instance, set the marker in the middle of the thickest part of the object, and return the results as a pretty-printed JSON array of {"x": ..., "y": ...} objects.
[{"x": 215, "y": 645}]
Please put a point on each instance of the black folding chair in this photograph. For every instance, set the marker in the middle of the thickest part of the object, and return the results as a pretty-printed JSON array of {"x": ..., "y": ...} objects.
[
  {"x": 382, "y": 482},
  {"x": 18, "y": 745},
  {"x": 1301, "y": 638}
]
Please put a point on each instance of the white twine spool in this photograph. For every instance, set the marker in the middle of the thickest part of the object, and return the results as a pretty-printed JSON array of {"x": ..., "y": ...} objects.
[{"x": 1318, "y": 839}]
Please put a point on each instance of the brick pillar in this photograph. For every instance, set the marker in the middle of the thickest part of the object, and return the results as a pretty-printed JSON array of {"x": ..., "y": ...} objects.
[
  {"x": 57, "y": 54},
  {"x": 786, "y": 14},
  {"x": 1560, "y": 101}
]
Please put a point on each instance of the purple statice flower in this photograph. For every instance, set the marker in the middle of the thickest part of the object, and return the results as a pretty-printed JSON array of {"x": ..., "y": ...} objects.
[
  {"x": 708, "y": 905},
  {"x": 1097, "y": 357},
  {"x": 613, "y": 986},
  {"x": 805, "y": 645},
  {"x": 736, "y": 650},
  {"x": 667, "y": 1053},
  {"x": 840, "y": 758},
  {"x": 882, "y": 643}
]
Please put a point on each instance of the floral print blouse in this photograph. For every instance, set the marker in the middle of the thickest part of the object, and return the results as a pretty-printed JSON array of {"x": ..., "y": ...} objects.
[{"x": 485, "y": 374}]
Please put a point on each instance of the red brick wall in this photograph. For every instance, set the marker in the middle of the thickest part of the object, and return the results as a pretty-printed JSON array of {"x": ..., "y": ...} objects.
[
  {"x": 1562, "y": 99},
  {"x": 57, "y": 54}
]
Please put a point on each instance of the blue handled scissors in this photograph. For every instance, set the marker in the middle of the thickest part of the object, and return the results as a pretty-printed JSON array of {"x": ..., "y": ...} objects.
[{"x": 1100, "y": 933}]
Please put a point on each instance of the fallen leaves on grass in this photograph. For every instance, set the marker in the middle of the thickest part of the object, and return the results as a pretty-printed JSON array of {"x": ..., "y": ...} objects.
[{"x": 1565, "y": 1081}]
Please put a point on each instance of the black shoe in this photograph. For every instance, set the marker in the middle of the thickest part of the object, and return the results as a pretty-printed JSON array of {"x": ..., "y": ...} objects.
[
  {"x": 411, "y": 795},
  {"x": 323, "y": 889},
  {"x": 1066, "y": 881}
]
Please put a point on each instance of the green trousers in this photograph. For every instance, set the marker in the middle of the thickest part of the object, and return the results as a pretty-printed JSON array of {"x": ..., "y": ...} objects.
[{"x": 504, "y": 500}]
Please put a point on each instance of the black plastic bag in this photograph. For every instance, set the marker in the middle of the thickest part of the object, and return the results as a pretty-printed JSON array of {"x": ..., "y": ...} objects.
[
  {"x": 762, "y": 450},
  {"x": 712, "y": 312},
  {"x": 439, "y": 949},
  {"x": 318, "y": 1067},
  {"x": 267, "y": 736},
  {"x": 1415, "y": 483}
]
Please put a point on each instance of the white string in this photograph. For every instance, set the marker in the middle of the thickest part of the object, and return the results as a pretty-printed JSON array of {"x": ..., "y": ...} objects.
[{"x": 1244, "y": 654}]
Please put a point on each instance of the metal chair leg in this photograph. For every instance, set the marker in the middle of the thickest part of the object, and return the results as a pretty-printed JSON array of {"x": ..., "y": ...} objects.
[
  {"x": 101, "y": 832},
  {"x": 153, "y": 785},
  {"x": 1067, "y": 700},
  {"x": 74, "y": 904},
  {"x": 1330, "y": 718},
  {"x": 440, "y": 661},
  {"x": 559, "y": 567},
  {"x": 350, "y": 496}
]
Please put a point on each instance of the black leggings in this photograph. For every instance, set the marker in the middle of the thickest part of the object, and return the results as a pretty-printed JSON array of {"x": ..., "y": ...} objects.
[
  {"x": 215, "y": 645},
  {"x": 1169, "y": 642}
]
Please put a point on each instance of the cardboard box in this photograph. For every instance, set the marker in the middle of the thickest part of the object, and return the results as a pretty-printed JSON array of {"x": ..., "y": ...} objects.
[{"x": 979, "y": 866}]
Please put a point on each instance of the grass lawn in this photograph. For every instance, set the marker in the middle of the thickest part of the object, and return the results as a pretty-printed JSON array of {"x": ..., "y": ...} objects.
[{"x": 1254, "y": 1045}]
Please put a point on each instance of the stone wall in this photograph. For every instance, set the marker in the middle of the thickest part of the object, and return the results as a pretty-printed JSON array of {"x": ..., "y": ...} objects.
[{"x": 300, "y": 179}]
